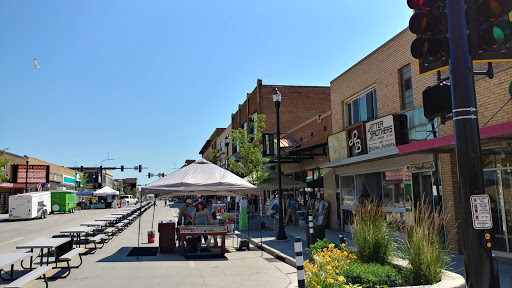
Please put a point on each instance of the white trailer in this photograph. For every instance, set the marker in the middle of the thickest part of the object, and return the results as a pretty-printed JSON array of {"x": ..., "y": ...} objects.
[{"x": 29, "y": 205}]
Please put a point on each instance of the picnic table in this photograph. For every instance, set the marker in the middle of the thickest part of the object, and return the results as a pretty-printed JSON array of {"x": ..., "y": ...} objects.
[
  {"x": 94, "y": 223},
  {"x": 9, "y": 259},
  {"x": 78, "y": 231},
  {"x": 44, "y": 243}
]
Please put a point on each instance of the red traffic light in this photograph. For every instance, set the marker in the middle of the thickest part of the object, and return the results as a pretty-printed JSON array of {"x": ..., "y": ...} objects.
[
  {"x": 163, "y": 174},
  {"x": 420, "y": 4}
]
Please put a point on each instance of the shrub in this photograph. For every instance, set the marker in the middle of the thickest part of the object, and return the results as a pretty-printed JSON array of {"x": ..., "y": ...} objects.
[
  {"x": 424, "y": 248},
  {"x": 318, "y": 245},
  {"x": 372, "y": 275},
  {"x": 328, "y": 268},
  {"x": 372, "y": 235}
]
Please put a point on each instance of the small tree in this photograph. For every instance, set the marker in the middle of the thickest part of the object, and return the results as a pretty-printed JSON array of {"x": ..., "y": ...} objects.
[
  {"x": 3, "y": 162},
  {"x": 85, "y": 179},
  {"x": 251, "y": 161},
  {"x": 214, "y": 156}
]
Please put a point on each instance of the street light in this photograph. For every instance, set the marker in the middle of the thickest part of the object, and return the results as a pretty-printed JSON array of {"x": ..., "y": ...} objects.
[
  {"x": 226, "y": 143},
  {"x": 101, "y": 172},
  {"x": 26, "y": 173},
  {"x": 281, "y": 234}
]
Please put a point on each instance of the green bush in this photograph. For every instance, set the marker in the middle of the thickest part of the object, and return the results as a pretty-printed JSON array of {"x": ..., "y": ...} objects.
[
  {"x": 372, "y": 275},
  {"x": 424, "y": 248},
  {"x": 372, "y": 235},
  {"x": 319, "y": 245}
]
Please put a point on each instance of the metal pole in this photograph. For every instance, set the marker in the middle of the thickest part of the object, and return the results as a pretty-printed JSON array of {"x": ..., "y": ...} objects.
[
  {"x": 26, "y": 176},
  {"x": 281, "y": 234},
  {"x": 477, "y": 258},
  {"x": 299, "y": 262}
]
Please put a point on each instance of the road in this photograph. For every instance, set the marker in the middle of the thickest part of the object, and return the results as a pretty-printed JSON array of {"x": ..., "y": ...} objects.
[{"x": 110, "y": 266}]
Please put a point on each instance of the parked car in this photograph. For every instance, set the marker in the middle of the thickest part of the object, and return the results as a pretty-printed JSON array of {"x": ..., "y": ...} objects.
[{"x": 130, "y": 199}]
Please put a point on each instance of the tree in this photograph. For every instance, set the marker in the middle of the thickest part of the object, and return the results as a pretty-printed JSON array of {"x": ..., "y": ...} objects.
[
  {"x": 214, "y": 156},
  {"x": 3, "y": 162},
  {"x": 85, "y": 179},
  {"x": 249, "y": 146}
]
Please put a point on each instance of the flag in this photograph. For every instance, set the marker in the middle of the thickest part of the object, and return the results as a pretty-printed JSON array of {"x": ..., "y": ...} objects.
[{"x": 40, "y": 187}]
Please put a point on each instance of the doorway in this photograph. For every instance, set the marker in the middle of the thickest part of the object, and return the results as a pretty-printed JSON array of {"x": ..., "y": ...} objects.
[{"x": 422, "y": 189}]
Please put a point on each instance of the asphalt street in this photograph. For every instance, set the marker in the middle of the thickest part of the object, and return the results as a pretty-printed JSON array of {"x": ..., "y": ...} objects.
[{"x": 110, "y": 267}]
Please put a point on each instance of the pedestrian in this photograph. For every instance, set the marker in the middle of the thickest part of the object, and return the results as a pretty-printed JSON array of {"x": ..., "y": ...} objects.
[
  {"x": 291, "y": 206},
  {"x": 201, "y": 217},
  {"x": 184, "y": 216},
  {"x": 165, "y": 202}
]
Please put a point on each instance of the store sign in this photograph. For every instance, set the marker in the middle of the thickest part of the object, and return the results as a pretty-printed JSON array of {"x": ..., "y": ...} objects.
[
  {"x": 36, "y": 173},
  {"x": 356, "y": 140},
  {"x": 338, "y": 148},
  {"x": 380, "y": 134}
]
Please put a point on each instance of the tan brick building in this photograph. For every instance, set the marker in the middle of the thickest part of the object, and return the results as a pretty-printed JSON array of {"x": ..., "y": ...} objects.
[
  {"x": 58, "y": 176},
  {"x": 375, "y": 152}
]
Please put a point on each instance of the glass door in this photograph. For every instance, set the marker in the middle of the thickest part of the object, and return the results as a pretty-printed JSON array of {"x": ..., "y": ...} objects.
[
  {"x": 506, "y": 204},
  {"x": 498, "y": 187}
]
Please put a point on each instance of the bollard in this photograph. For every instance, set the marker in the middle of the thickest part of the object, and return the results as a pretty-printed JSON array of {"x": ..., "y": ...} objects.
[
  {"x": 311, "y": 231},
  {"x": 299, "y": 260},
  {"x": 342, "y": 238}
]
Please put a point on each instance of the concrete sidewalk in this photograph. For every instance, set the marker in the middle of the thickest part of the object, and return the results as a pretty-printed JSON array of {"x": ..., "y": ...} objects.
[{"x": 284, "y": 249}]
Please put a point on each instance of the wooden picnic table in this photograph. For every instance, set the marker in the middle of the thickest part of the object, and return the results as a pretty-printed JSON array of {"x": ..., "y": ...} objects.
[{"x": 9, "y": 259}]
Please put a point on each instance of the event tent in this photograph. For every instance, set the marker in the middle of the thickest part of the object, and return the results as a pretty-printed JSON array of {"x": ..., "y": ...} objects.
[
  {"x": 201, "y": 178},
  {"x": 106, "y": 191},
  {"x": 85, "y": 192}
]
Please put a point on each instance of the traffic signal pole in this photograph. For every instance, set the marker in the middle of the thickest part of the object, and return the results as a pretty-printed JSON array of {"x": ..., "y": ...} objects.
[{"x": 477, "y": 253}]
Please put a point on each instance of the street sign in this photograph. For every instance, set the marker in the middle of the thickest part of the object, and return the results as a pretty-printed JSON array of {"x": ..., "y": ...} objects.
[{"x": 481, "y": 211}]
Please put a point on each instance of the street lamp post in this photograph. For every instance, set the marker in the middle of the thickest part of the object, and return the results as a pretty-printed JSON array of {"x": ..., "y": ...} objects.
[
  {"x": 26, "y": 173},
  {"x": 281, "y": 234},
  {"x": 227, "y": 150},
  {"x": 100, "y": 178}
]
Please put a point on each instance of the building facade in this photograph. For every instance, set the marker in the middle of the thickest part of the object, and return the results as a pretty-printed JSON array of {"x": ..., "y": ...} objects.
[{"x": 383, "y": 148}]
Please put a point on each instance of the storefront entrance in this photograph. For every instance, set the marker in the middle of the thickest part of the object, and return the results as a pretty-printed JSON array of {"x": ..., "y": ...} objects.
[{"x": 498, "y": 187}]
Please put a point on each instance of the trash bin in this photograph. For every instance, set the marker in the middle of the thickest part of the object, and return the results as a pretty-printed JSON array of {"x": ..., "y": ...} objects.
[
  {"x": 167, "y": 236},
  {"x": 151, "y": 236}
]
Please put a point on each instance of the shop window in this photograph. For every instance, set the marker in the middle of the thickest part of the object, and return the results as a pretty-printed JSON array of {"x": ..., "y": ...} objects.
[
  {"x": 348, "y": 191},
  {"x": 396, "y": 191},
  {"x": 369, "y": 187},
  {"x": 363, "y": 108},
  {"x": 406, "y": 88},
  {"x": 419, "y": 128}
]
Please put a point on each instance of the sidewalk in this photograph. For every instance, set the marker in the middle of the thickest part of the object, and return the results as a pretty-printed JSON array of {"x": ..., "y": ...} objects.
[{"x": 283, "y": 249}]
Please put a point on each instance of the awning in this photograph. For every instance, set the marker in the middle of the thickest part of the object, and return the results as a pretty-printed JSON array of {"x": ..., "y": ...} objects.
[
  {"x": 489, "y": 134},
  {"x": 17, "y": 185}
]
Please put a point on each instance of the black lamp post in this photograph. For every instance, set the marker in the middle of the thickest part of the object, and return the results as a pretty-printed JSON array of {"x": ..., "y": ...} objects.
[
  {"x": 26, "y": 173},
  {"x": 226, "y": 143},
  {"x": 281, "y": 234}
]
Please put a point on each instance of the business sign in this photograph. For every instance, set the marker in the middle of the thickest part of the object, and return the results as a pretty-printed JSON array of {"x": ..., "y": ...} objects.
[
  {"x": 356, "y": 140},
  {"x": 338, "y": 146},
  {"x": 380, "y": 134},
  {"x": 268, "y": 144},
  {"x": 36, "y": 173}
]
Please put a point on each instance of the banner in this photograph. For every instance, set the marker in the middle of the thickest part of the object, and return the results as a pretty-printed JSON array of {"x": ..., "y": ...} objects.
[{"x": 273, "y": 208}]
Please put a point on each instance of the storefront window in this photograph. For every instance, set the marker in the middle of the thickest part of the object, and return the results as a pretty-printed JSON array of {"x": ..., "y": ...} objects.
[
  {"x": 369, "y": 187},
  {"x": 396, "y": 192},
  {"x": 348, "y": 190}
]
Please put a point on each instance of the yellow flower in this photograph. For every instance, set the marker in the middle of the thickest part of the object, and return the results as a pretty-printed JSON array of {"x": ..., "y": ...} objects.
[{"x": 342, "y": 279}]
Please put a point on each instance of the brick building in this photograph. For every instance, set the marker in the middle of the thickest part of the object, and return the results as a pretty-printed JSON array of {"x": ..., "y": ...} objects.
[
  {"x": 376, "y": 152},
  {"x": 52, "y": 175}
]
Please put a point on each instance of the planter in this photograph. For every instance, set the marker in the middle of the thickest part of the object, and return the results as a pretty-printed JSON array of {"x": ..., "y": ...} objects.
[{"x": 449, "y": 279}]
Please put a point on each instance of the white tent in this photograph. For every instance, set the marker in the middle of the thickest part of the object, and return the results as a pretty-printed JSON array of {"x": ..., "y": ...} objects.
[
  {"x": 105, "y": 191},
  {"x": 201, "y": 178}
]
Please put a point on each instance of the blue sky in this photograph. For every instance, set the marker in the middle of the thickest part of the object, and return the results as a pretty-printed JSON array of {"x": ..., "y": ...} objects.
[{"x": 147, "y": 82}]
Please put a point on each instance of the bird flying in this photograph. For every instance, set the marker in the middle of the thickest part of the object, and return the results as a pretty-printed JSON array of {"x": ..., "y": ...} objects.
[{"x": 35, "y": 64}]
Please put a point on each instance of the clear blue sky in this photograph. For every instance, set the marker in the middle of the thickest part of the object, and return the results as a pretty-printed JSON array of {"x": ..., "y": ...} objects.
[{"x": 149, "y": 81}]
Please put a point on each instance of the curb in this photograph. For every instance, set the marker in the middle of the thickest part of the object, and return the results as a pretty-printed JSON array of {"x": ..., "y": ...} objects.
[{"x": 273, "y": 252}]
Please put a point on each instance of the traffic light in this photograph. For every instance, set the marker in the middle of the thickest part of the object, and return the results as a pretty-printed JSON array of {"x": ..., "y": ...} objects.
[
  {"x": 437, "y": 101},
  {"x": 140, "y": 168},
  {"x": 163, "y": 174},
  {"x": 490, "y": 29},
  {"x": 429, "y": 24},
  {"x": 149, "y": 174},
  {"x": 122, "y": 168}
]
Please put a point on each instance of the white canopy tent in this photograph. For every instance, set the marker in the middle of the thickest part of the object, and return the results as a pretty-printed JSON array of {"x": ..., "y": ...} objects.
[
  {"x": 201, "y": 178},
  {"x": 105, "y": 191}
]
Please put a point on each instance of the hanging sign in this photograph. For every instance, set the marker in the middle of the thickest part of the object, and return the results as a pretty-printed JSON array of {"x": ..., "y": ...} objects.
[
  {"x": 481, "y": 211},
  {"x": 380, "y": 134}
]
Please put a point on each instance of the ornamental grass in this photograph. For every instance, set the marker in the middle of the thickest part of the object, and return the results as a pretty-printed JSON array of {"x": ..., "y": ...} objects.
[{"x": 327, "y": 269}]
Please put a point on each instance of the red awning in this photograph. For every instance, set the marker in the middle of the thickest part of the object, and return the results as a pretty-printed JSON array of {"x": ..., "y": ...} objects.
[
  {"x": 17, "y": 185},
  {"x": 448, "y": 141}
]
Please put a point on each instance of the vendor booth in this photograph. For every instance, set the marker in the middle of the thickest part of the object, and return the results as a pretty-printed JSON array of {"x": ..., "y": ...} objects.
[
  {"x": 201, "y": 178},
  {"x": 107, "y": 197}
]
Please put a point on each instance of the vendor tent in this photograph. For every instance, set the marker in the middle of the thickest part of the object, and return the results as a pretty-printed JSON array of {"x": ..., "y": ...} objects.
[
  {"x": 201, "y": 178},
  {"x": 106, "y": 191},
  {"x": 85, "y": 192}
]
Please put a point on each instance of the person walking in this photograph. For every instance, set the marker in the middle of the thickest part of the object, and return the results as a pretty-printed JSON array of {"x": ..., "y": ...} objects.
[{"x": 291, "y": 206}]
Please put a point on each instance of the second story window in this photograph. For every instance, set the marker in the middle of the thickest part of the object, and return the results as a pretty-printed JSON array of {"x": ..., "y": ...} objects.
[
  {"x": 406, "y": 88},
  {"x": 363, "y": 108}
]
